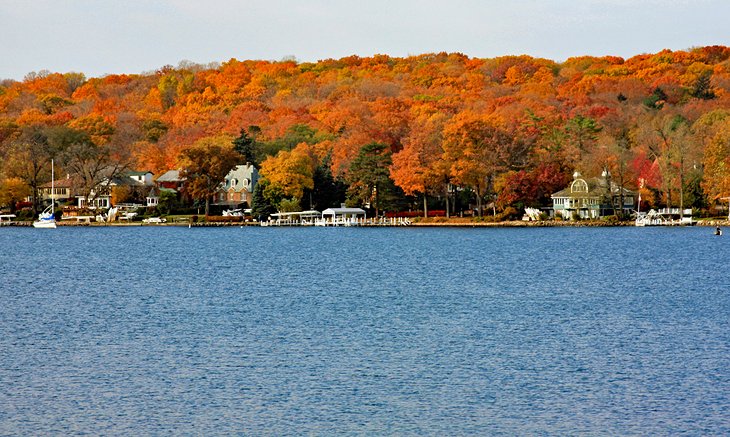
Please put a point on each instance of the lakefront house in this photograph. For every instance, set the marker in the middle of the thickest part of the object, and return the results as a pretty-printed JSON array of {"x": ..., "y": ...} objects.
[
  {"x": 237, "y": 187},
  {"x": 592, "y": 198},
  {"x": 63, "y": 190},
  {"x": 132, "y": 184}
]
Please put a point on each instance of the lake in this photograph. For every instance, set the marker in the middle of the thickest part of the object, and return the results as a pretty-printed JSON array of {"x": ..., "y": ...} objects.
[{"x": 332, "y": 331}]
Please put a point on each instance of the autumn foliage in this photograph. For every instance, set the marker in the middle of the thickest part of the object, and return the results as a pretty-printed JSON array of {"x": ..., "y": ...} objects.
[{"x": 508, "y": 130}]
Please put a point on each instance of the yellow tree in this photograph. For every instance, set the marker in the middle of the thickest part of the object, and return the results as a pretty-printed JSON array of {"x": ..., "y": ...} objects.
[
  {"x": 289, "y": 173},
  {"x": 717, "y": 164},
  {"x": 12, "y": 190},
  {"x": 99, "y": 128},
  {"x": 29, "y": 159}
]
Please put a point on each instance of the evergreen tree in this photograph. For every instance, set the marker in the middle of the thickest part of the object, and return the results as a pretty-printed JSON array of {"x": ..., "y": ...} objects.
[
  {"x": 327, "y": 191},
  {"x": 656, "y": 100},
  {"x": 702, "y": 87},
  {"x": 261, "y": 207},
  {"x": 369, "y": 174},
  {"x": 245, "y": 145}
]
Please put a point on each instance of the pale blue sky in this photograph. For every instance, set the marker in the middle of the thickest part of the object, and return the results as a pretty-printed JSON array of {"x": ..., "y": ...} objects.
[{"x": 97, "y": 37}]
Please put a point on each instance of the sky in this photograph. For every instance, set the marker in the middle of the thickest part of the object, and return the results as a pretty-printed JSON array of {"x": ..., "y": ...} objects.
[{"x": 98, "y": 37}]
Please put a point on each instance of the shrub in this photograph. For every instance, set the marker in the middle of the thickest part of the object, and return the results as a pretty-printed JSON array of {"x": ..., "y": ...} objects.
[
  {"x": 224, "y": 219},
  {"x": 509, "y": 213},
  {"x": 24, "y": 214}
]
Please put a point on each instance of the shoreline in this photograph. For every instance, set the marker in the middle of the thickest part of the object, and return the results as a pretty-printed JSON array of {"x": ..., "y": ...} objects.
[
  {"x": 505, "y": 224},
  {"x": 568, "y": 224}
]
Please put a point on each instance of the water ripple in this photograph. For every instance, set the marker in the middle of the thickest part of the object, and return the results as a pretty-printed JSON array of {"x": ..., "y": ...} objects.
[{"x": 364, "y": 331}]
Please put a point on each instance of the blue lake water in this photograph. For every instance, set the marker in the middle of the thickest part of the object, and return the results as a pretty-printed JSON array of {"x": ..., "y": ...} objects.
[{"x": 332, "y": 331}]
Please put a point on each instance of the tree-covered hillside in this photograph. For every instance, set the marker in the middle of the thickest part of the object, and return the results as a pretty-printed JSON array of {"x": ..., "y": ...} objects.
[{"x": 512, "y": 128}]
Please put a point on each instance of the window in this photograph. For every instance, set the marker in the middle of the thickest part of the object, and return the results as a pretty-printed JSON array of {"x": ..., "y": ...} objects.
[{"x": 579, "y": 186}]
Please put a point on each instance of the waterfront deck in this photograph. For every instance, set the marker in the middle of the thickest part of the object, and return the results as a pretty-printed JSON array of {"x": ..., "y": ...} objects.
[{"x": 665, "y": 217}]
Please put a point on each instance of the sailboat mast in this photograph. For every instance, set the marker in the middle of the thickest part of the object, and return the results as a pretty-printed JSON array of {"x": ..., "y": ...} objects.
[{"x": 53, "y": 203}]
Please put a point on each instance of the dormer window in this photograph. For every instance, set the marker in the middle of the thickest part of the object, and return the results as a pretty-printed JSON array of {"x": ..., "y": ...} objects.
[{"x": 579, "y": 186}]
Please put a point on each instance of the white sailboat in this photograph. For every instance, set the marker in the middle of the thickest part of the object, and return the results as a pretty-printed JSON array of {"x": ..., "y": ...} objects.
[{"x": 47, "y": 219}]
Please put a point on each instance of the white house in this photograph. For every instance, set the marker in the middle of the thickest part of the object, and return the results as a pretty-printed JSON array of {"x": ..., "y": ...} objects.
[{"x": 592, "y": 198}]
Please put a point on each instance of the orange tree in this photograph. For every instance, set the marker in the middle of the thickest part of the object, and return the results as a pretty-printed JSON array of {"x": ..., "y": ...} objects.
[
  {"x": 478, "y": 150},
  {"x": 416, "y": 168},
  {"x": 204, "y": 166}
]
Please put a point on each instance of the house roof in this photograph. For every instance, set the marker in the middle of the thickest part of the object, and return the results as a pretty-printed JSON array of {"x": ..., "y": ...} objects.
[
  {"x": 337, "y": 211},
  {"x": 156, "y": 191},
  {"x": 170, "y": 176},
  {"x": 126, "y": 181},
  {"x": 138, "y": 173},
  {"x": 596, "y": 188},
  {"x": 66, "y": 182},
  {"x": 235, "y": 178}
]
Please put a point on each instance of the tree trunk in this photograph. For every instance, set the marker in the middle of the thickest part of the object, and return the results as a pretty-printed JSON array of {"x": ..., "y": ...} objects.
[
  {"x": 479, "y": 202},
  {"x": 669, "y": 197},
  {"x": 448, "y": 211},
  {"x": 34, "y": 195},
  {"x": 621, "y": 190},
  {"x": 425, "y": 206},
  {"x": 207, "y": 206},
  {"x": 377, "y": 203},
  {"x": 453, "y": 200},
  {"x": 681, "y": 188}
]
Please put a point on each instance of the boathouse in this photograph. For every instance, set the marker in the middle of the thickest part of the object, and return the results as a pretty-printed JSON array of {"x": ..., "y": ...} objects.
[
  {"x": 298, "y": 218},
  {"x": 342, "y": 217}
]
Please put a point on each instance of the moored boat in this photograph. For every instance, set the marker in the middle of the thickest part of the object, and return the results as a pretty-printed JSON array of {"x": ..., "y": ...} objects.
[
  {"x": 665, "y": 217},
  {"x": 47, "y": 219}
]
